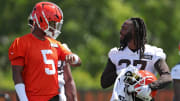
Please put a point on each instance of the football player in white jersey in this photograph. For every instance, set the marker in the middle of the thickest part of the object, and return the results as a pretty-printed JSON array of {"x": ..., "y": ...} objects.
[
  {"x": 68, "y": 90},
  {"x": 129, "y": 80},
  {"x": 175, "y": 73},
  {"x": 134, "y": 51}
]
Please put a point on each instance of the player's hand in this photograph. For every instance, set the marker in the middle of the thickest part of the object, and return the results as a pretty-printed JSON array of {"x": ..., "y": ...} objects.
[
  {"x": 143, "y": 92},
  {"x": 72, "y": 59}
]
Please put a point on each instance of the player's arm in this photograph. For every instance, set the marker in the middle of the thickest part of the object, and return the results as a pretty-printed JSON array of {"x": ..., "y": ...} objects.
[
  {"x": 176, "y": 83},
  {"x": 18, "y": 81},
  {"x": 165, "y": 76},
  {"x": 16, "y": 55},
  {"x": 109, "y": 75},
  {"x": 17, "y": 71},
  {"x": 70, "y": 87}
]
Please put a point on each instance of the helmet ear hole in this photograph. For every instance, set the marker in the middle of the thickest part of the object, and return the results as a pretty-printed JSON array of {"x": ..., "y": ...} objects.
[{"x": 128, "y": 73}]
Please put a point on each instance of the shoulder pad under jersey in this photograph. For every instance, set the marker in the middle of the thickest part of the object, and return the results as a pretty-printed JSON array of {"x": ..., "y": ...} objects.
[
  {"x": 113, "y": 52},
  {"x": 154, "y": 51}
]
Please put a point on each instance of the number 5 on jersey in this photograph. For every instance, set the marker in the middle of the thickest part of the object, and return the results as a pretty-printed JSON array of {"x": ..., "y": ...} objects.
[{"x": 48, "y": 61}]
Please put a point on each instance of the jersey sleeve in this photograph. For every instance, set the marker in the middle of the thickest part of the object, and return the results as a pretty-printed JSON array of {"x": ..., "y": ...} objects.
[
  {"x": 63, "y": 52},
  {"x": 19, "y": 61},
  {"x": 175, "y": 72},
  {"x": 156, "y": 52},
  {"x": 16, "y": 52},
  {"x": 112, "y": 54},
  {"x": 160, "y": 54}
]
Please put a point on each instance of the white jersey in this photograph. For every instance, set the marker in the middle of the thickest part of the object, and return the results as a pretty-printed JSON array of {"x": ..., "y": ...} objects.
[
  {"x": 61, "y": 72},
  {"x": 175, "y": 72},
  {"x": 61, "y": 64},
  {"x": 122, "y": 58}
]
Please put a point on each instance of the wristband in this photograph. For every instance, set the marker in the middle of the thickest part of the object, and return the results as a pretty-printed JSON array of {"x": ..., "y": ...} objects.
[
  {"x": 76, "y": 59},
  {"x": 20, "y": 89}
]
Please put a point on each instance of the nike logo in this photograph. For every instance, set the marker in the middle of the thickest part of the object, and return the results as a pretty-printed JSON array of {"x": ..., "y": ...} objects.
[{"x": 12, "y": 53}]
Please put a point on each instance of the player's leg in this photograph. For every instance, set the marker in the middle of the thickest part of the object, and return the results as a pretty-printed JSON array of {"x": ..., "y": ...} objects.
[{"x": 62, "y": 96}]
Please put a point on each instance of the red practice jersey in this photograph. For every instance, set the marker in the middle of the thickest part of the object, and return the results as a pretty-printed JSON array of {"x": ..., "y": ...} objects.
[{"x": 39, "y": 59}]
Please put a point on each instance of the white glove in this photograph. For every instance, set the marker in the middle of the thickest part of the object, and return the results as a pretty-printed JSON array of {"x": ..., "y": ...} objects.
[{"x": 143, "y": 92}]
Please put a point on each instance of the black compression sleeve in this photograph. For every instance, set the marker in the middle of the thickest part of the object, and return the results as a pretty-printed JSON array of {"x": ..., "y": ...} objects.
[{"x": 109, "y": 75}]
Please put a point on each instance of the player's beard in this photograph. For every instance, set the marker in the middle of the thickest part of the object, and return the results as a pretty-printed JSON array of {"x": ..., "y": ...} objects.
[{"x": 127, "y": 38}]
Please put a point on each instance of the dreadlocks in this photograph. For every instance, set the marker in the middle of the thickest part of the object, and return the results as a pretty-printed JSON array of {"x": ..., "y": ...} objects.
[{"x": 140, "y": 35}]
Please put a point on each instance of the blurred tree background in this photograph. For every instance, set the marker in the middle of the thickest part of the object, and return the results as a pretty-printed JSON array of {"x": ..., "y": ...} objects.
[{"x": 91, "y": 28}]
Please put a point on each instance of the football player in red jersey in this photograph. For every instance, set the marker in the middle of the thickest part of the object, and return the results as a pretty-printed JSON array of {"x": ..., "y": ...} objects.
[
  {"x": 134, "y": 51},
  {"x": 175, "y": 73},
  {"x": 34, "y": 56},
  {"x": 67, "y": 85}
]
